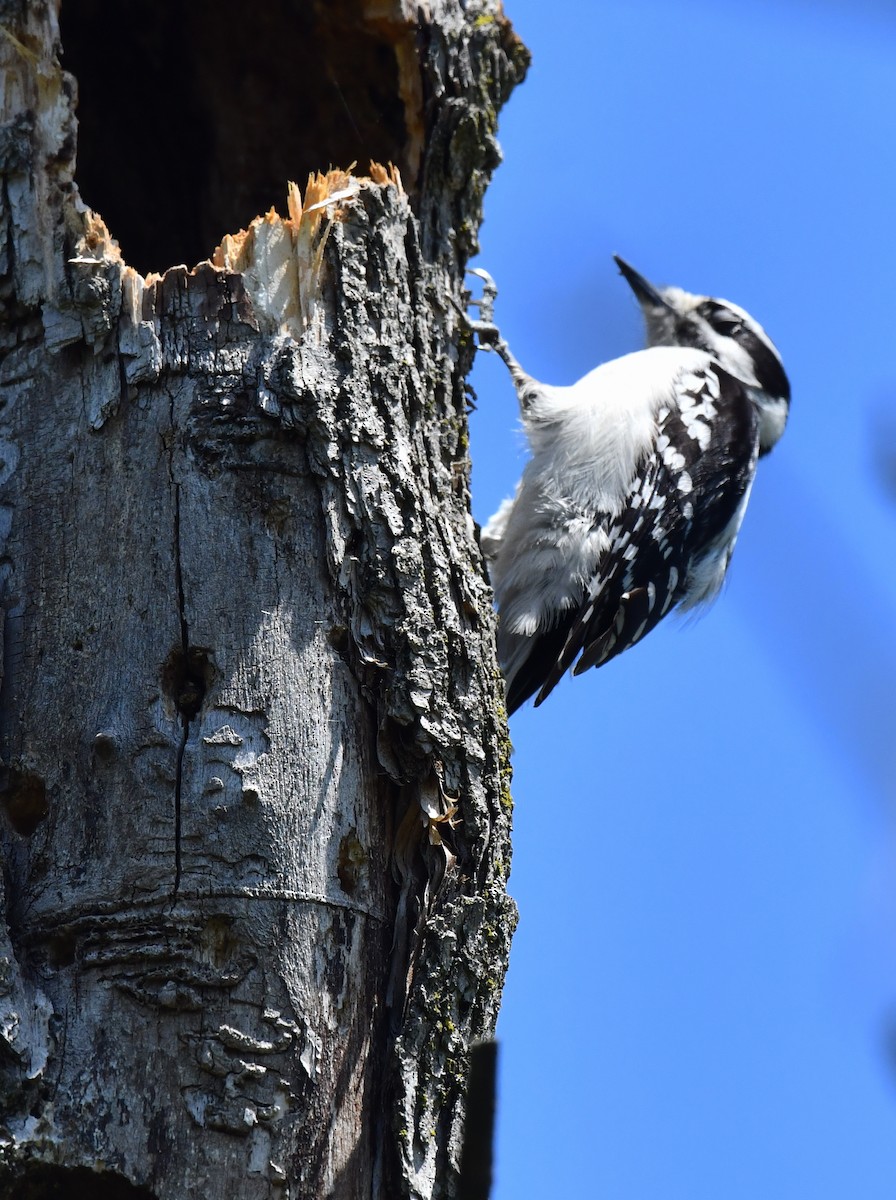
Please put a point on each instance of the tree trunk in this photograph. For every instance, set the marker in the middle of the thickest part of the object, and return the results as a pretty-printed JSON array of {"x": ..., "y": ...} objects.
[{"x": 254, "y": 756}]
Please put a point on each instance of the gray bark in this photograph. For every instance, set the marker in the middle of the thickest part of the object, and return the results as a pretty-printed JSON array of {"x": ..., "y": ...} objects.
[{"x": 255, "y": 828}]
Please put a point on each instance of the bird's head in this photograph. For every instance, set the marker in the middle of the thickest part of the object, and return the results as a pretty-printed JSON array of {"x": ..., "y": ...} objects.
[{"x": 735, "y": 340}]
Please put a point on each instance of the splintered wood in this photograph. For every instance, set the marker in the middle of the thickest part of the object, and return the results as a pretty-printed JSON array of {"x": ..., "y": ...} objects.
[{"x": 280, "y": 258}]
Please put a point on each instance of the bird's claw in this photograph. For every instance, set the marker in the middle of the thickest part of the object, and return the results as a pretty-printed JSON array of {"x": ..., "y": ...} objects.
[
  {"x": 486, "y": 303},
  {"x": 485, "y": 328}
]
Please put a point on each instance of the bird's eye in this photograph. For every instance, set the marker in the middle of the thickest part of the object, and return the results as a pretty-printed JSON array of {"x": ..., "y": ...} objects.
[
  {"x": 720, "y": 318},
  {"x": 727, "y": 326}
]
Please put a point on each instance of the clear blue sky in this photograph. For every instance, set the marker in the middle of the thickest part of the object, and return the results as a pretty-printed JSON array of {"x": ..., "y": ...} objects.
[{"x": 702, "y": 996}]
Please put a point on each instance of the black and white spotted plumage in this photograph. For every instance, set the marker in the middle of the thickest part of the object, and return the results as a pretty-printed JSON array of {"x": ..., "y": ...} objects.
[{"x": 638, "y": 482}]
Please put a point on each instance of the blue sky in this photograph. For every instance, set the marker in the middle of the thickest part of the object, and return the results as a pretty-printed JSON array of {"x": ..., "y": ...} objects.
[{"x": 702, "y": 992}]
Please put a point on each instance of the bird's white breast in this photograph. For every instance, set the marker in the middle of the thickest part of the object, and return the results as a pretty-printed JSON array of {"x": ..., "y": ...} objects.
[
  {"x": 588, "y": 442},
  {"x": 588, "y": 439}
]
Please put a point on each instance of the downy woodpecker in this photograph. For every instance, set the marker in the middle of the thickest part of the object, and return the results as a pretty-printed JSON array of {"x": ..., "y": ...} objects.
[{"x": 637, "y": 485}]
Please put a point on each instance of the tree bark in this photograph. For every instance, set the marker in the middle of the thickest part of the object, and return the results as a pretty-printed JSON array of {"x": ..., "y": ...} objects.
[{"x": 255, "y": 775}]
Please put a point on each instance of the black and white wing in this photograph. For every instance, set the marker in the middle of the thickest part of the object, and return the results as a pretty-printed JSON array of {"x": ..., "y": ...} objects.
[{"x": 671, "y": 542}]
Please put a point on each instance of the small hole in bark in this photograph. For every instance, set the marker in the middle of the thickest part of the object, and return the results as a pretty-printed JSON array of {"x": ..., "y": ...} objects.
[
  {"x": 42, "y": 1182},
  {"x": 186, "y": 679},
  {"x": 104, "y": 745},
  {"x": 61, "y": 948},
  {"x": 24, "y": 797},
  {"x": 338, "y": 638},
  {"x": 187, "y": 130},
  {"x": 352, "y": 861}
]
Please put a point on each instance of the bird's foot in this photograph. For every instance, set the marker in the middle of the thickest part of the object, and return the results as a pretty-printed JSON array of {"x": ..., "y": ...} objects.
[
  {"x": 484, "y": 327},
  {"x": 486, "y": 302}
]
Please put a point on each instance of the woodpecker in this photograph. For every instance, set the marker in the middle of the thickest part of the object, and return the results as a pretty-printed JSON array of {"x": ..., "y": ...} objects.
[{"x": 637, "y": 484}]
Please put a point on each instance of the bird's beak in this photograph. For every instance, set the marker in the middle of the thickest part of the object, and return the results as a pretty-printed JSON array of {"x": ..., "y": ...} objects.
[{"x": 645, "y": 292}]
